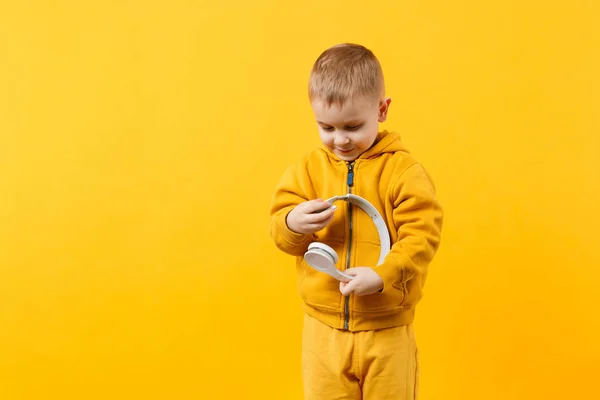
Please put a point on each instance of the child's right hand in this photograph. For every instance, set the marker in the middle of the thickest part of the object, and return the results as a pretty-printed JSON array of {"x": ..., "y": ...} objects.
[{"x": 310, "y": 216}]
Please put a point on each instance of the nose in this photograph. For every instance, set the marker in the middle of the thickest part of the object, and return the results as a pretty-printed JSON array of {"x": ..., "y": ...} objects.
[{"x": 340, "y": 139}]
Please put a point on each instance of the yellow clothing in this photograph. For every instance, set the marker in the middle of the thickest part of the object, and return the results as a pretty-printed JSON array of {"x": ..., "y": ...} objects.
[
  {"x": 372, "y": 365},
  {"x": 389, "y": 178}
]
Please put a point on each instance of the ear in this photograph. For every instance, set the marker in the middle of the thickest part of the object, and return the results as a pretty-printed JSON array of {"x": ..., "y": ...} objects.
[{"x": 384, "y": 106}]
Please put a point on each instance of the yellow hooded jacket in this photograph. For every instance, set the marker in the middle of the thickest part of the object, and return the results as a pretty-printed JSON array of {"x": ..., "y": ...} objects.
[{"x": 399, "y": 187}]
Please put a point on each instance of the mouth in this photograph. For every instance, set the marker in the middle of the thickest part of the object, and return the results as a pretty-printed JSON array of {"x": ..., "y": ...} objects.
[{"x": 345, "y": 151}]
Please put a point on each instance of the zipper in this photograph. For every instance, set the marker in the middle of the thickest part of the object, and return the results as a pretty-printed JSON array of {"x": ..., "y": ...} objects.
[{"x": 349, "y": 183}]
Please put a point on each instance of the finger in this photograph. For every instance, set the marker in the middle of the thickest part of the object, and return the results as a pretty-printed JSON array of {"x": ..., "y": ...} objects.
[
  {"x": 351, "y": 271},
  {"x": 317, "y": 227},
  {"x": 364, "y": 291},
  {"x": 348, "y": 288},
  {"x": 314, "y": 219},
  {"x": 323, "y": 216},
  {"x": 317, "y": 206},
  {"x": 321, "y": 222},
  {"x": 322, "y": 225},
  {"x": 308, "y": 206}
]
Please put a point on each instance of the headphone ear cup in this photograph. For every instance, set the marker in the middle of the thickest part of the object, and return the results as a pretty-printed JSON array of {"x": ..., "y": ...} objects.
[
  {"x": 322, "y": 246},
  {"x": 320, "y": 256}
]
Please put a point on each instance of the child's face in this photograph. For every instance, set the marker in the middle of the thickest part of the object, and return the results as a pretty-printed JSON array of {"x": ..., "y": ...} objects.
[{"x": 352, "y": 129}]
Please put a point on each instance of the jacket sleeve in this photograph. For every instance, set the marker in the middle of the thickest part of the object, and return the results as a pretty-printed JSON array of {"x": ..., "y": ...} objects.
[
  {"x": 418, "y": 217},
  {"x": 288, "y": 194}
]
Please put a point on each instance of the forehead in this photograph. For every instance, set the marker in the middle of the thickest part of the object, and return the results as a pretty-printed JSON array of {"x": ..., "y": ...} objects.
[{"x": 351, "y": 111}]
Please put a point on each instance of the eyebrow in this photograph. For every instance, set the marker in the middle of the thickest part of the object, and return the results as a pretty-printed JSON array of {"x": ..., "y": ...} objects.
[{"x": 347, "y": 123}]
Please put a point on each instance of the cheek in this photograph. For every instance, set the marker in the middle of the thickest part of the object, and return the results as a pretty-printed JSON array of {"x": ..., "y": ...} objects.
[
  {"x": 325, "y": 138},
  {"x": 368, "y": 136}
]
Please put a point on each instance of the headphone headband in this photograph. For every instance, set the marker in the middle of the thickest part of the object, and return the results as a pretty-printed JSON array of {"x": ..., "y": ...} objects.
[{"x": 384, "y": 238}]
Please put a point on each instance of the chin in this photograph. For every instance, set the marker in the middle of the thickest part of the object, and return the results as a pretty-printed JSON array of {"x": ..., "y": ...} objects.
[{"x": 348, "y": 157}]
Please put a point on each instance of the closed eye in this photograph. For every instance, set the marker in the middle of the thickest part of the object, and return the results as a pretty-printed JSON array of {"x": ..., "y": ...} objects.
[{"x": 353, "y": 128}]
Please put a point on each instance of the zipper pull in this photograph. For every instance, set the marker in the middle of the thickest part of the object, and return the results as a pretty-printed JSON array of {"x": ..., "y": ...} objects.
[{"x": 350, "y": 180}]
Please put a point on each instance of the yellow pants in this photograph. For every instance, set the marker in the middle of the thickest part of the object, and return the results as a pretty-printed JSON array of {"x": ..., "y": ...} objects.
[{"x": 369, "y": 365}]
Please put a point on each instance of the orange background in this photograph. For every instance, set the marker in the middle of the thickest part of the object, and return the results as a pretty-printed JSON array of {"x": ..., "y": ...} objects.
[{"x": 140, "y": 142}]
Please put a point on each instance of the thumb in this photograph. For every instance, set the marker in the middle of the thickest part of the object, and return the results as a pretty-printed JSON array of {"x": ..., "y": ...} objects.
[{"x": 351, "y": 271}]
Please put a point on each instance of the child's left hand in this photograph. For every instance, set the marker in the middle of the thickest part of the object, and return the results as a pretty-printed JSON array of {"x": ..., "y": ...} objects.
[{"x": 366, "y": 281}]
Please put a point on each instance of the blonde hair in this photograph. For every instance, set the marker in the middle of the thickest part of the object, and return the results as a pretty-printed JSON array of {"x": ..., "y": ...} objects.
[{"x": 345, "y": 71}]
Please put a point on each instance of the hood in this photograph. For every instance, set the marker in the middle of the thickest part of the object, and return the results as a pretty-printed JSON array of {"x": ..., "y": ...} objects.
[{"x": 386, "y": 142}]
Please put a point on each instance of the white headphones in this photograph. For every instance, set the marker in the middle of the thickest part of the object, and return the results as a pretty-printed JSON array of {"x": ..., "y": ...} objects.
[{"x": 323, "y": 258}]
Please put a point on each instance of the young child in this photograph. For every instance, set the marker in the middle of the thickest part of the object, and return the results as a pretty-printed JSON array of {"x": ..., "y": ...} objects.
[{"x": 358, "y": 340}]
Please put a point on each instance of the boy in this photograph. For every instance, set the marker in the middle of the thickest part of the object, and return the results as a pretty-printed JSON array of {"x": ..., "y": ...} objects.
[{"x": 358, "y": 340}]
